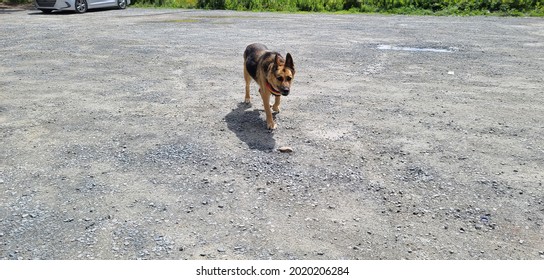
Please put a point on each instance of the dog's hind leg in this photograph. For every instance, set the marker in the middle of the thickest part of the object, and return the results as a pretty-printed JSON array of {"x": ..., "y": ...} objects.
[{"x": 247, "y": 77}]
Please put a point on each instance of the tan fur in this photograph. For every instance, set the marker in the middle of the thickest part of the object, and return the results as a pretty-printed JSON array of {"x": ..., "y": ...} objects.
[{"x": 273, "y": 74}]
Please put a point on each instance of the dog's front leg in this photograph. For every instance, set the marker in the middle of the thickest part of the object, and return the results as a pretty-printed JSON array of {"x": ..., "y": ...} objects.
[
  {"x": 276, "y": 106},
  {"x": 266, "y": 103}
]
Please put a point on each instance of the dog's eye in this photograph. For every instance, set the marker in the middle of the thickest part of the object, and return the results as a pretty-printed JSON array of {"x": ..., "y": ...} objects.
[
  {"x": 288, "y": 79},
  {"x": 280, "y": 78}
]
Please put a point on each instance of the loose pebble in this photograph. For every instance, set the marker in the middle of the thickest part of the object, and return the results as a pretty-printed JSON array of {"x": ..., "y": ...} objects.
[{"x": 285, "y": 149}]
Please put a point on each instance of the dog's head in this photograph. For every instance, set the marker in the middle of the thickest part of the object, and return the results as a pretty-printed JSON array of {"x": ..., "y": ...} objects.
[{"x": 282, "y": 74}]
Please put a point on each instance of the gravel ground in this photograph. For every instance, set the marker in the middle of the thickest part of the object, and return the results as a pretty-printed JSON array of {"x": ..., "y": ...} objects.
[{"x": 124, "y": 136}]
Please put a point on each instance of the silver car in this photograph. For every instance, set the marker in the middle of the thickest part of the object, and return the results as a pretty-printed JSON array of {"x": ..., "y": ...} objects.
[{"x": 79, "y": 6}]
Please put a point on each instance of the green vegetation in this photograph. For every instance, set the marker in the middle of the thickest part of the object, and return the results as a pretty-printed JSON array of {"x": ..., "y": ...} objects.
[
  {"x": 15, "y": 2},
  {"x": 421, "y": 7},
  {"x": 184, "y": 4},
  {"x": 418, "y": 7}
]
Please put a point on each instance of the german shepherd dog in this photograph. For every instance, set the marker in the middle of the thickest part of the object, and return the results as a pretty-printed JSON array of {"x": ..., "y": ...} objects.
[{"x": 272, "y": 72}]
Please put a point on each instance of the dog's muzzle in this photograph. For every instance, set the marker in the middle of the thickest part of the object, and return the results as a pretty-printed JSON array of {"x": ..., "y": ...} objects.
[{"x": 284, "y": 91}]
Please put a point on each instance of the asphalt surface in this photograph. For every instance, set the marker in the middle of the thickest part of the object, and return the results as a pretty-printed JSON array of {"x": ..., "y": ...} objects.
[{"x": 123, "y": 135}]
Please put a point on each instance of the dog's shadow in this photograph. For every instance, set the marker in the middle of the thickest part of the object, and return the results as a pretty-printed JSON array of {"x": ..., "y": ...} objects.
[{"x": 250, "y": 127}]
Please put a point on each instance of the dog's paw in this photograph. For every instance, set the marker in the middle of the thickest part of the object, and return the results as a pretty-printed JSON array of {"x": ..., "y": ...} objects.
[
  {"x": 276, "y": 109},
  {"x": 247, "y": 100},
  {"x": 271, "y": 125}
]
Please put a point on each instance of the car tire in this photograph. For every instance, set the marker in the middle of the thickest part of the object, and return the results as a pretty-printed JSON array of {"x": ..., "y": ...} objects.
[
  {"x": 81, "y": 6},
  {"x": 122, "y": 4}
]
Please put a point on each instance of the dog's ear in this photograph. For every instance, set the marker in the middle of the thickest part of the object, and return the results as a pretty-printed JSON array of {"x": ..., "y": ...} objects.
[
  {"x": 289, "y": 62},
  {"x": 279, "y": 60}
]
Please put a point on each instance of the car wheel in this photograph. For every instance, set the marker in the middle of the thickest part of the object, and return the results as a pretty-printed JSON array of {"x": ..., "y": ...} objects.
[
  {"x": 122, "y": 4},
  {"x": 81, "y": 6}
]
